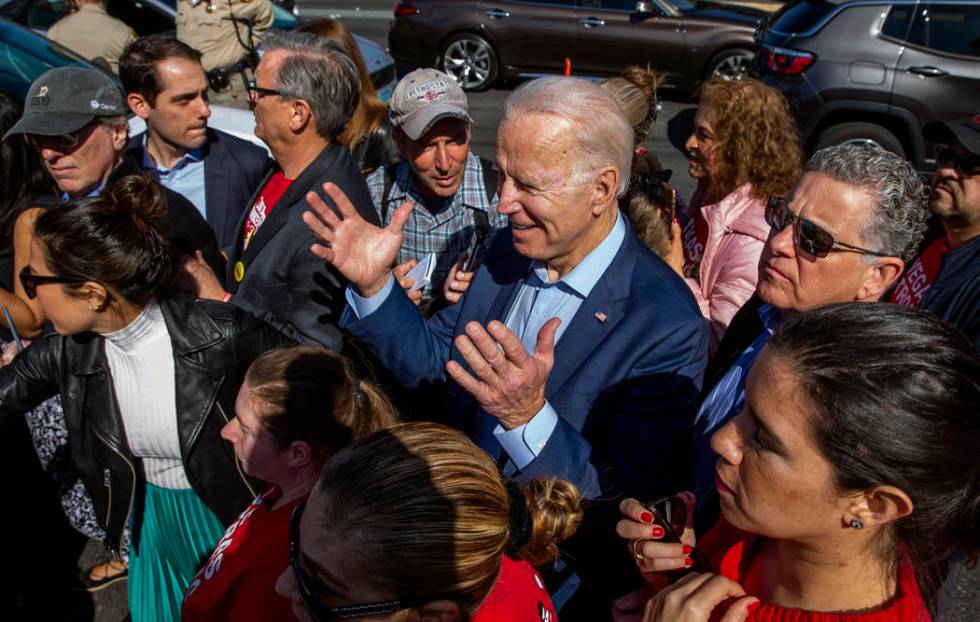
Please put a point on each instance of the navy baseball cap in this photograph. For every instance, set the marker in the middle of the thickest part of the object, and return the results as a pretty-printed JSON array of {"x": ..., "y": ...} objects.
[{"x": 67, "y": 99}]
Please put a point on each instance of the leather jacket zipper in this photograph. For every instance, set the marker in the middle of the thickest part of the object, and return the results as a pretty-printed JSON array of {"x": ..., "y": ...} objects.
[
  {"x": 238, "y": 464},
  {"x": 107, "y": 479}
]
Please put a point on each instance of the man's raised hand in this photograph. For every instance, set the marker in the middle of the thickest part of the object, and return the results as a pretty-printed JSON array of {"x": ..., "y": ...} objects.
[{"x": 360, "y": 251}]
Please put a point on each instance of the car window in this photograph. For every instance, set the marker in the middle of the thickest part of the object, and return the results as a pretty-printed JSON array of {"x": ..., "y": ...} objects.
[
  {"x": 797, "y": 17},
  {"x": 24, "y": 56},
  {"x": 896, "y": 25},
  {"x": 948, "y": 28},
  {"x": 12, "y": 9},
  {"x": 44, "y": 13},
  {"x": 140, "y": 17},
  {"x": 611, "y": 5}
]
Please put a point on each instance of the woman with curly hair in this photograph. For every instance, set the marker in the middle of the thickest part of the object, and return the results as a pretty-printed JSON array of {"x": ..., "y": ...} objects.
[{"x": 744, "y": 148}]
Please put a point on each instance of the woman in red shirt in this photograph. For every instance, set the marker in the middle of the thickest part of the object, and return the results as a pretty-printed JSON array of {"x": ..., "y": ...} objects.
[
  {"x": 415, "y": 523},
  {"x": 845, "y": 484},
  {"x": 297, "y": 407}
]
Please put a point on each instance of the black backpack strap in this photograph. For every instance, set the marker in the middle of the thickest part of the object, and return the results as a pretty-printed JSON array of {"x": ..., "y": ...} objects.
[
  {"x": 389, "y": 178},
  {"x": 482, "y": 219}
]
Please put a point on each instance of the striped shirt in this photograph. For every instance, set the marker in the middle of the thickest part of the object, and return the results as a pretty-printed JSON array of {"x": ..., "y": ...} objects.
[
  {"x": 445, "y": 230},
  {"x": 725, "y": 401}
]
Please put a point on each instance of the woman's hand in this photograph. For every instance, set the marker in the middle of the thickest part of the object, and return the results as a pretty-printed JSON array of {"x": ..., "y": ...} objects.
[
  {"x": 10, "y": 351},
  {"x": 694, "y": 598},
  {"x": 643, "y": 534},
  {"x": 675, "y": 257},
  {"x": 457, "y": 282},
  {"x": 406, "y": 282}
]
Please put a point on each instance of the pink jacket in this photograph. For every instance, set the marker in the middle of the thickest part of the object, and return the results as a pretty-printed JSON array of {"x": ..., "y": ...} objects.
[{"x": 729, "y": 270}]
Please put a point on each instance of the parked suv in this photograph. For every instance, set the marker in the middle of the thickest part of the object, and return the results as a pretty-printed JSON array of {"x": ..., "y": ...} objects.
[{"x": 873, "y": 70}]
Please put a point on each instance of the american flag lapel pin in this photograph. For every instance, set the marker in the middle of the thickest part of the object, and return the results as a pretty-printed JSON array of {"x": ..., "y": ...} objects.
[{"x": 599, "y": 315}]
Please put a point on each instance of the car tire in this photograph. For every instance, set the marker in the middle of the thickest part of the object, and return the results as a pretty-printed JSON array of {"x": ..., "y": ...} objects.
[
  {"x": 471, "y": 60},
  {"x": 859, "y": 132},
  {"x": 733, "y": 64}
]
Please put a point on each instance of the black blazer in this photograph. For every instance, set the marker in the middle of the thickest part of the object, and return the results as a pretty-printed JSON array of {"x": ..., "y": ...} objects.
[
  {"x": 186, "y": 227},
  {"x": 233, "y": 170},
  {"x": 280, "y": 280}
]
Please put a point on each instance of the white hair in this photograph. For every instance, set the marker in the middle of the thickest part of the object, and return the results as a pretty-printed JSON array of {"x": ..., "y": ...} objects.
[{"x": 601, "y": 133}]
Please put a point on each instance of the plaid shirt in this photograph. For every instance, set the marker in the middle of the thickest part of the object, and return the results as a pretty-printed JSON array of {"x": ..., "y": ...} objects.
[{"x": 448, "y": 232}]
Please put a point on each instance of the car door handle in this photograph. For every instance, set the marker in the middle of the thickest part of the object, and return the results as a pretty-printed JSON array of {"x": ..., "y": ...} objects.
[
  {"x": 496, "y": 13},
  {"x": 931, "y": 72},
  {"x": 592, "y": 22}
]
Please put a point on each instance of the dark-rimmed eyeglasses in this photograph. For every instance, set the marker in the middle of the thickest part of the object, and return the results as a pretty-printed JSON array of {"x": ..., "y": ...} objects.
[
  {"x": 30, "y": 281},
  {"x": 64, "y": 143},
  {"x": 311, "y": 594},
  {"x": 810, "y": 237},
  {"x": 968, "y": 163},
  {"x": 255, "y": 91}
]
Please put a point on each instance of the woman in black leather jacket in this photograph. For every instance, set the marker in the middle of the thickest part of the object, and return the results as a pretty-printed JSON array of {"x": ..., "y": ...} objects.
[{"x": 147, "y": 382}]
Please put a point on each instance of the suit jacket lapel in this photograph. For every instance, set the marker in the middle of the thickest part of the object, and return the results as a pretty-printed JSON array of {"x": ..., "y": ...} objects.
[
  {"x": 296, "y": 191},
  {"x": 215, "y": 189},
  {"x": 596, "y": 318}
]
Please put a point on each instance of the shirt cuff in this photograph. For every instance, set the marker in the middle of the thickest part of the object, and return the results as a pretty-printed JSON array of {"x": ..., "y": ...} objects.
[
  {"x": 363, "y": 307},
  {"x": 524, "y": 443}
]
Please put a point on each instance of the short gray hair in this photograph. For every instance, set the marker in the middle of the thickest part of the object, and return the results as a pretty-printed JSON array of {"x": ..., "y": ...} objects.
[
  {"x": 319, "y": 71},
  {"x": 898, "y": 217},
  {"x": 602, "y": 134}
]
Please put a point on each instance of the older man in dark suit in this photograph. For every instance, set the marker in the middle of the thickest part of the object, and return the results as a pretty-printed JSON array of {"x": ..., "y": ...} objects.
[
  {"x": 575, "y": 353},
  {"x": 305, "y": 90},
  {"x": 167, "y": 88}
]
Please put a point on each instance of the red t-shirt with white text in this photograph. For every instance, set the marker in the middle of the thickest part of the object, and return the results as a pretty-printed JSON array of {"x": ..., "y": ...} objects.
[
  {"x": 239, "y": 580},
  {"x": 920, "y": 276},
  {"x": 270, "y": 195}
]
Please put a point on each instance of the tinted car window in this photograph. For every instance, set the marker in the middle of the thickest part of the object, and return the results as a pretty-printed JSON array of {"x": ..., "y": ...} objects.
[
  {"x": 949, "y": 28},
  {"x": 797, "y": 17},
  {"x": 897, "y": 23},
  {"x": 24, "y": 56},
  {"x": 140, "y": 17},
  {"x": 612, "y": 5},
  {"x": 44, "y": 13}
]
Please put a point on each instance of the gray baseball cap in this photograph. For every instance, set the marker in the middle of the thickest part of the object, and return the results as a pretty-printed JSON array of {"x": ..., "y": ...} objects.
[
  {"x": 423, "y": 97},
  {"x": 66, "y": 99}
]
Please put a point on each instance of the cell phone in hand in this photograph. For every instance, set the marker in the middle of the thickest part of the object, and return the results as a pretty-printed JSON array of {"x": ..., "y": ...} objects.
[{"x": 473, "y": 251}]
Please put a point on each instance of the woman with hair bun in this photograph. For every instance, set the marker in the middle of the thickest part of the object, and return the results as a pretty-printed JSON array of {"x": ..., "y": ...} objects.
[
  {"x": 297, "y": 408},
  {"x": 146, "y": 380},
  {"x": 848, "y": 480},
  {"x": 416, "y": 523}
]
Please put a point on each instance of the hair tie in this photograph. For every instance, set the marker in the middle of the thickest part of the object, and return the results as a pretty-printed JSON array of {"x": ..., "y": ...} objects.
[{"x": 521, "y": 526}]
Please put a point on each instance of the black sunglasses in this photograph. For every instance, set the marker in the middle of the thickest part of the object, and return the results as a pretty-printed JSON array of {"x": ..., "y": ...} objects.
[
  {"x": 260, "y": 90},
  {"x": 311, "y": 595},
  {"x": 968, "y": 163},
  {"x": 808, "y": 236},
  {"x": 30, "y": 281},
  {"x": 63, "y": 143}
]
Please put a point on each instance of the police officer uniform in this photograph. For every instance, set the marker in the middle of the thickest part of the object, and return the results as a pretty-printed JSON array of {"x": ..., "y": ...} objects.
[
  {"x": 219, "y": 30},
  {"x": 93, "y": 34}
]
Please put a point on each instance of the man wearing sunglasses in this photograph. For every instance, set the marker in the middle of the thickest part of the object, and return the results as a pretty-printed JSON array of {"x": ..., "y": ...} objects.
[
  {"x": 843, "y": 234},
  {"x": 945, "y": 277},
  {"x": 75, "y": 118}
]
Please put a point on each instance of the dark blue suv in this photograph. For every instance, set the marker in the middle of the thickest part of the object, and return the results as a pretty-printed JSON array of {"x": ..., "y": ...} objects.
[{"x": 873, "y": 70}]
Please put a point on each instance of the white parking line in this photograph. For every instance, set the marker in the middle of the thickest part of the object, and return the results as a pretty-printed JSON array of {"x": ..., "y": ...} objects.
[{"x": 345, "y": 13}]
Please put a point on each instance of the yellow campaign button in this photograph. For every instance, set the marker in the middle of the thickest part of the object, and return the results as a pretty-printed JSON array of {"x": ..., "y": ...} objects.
[{"x": 239, "y": 271}]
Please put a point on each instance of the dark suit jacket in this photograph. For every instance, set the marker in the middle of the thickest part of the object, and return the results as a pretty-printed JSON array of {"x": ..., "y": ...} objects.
[
  {"x": 186, "y": 227},
  {"x": 625, "y": 388},
  {"x": 233, "y": 170},
  {"x": 284, "y": 283}
]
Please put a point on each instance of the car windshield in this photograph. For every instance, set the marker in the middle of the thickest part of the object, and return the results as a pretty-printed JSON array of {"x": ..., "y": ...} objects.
[{"x": 24, "y": 56}]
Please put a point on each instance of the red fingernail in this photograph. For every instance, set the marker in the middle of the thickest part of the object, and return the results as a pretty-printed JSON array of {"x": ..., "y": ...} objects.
[
  {"x": 753, "y": 606},
  {"x": 658, "y": 531},
  {"x": 688, "y": 549},
  {"x": 646, "y": 517},
  {"x": 677, "y": 222},
  {"x": 688, "y": 561}
]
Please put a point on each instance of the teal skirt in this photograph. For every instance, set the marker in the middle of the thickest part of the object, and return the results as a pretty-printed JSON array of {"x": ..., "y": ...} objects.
[{"x": 177, "y": 536}]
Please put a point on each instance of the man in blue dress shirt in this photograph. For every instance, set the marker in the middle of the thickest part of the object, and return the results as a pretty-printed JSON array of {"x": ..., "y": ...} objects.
[{"x": 575, "y": 353}]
